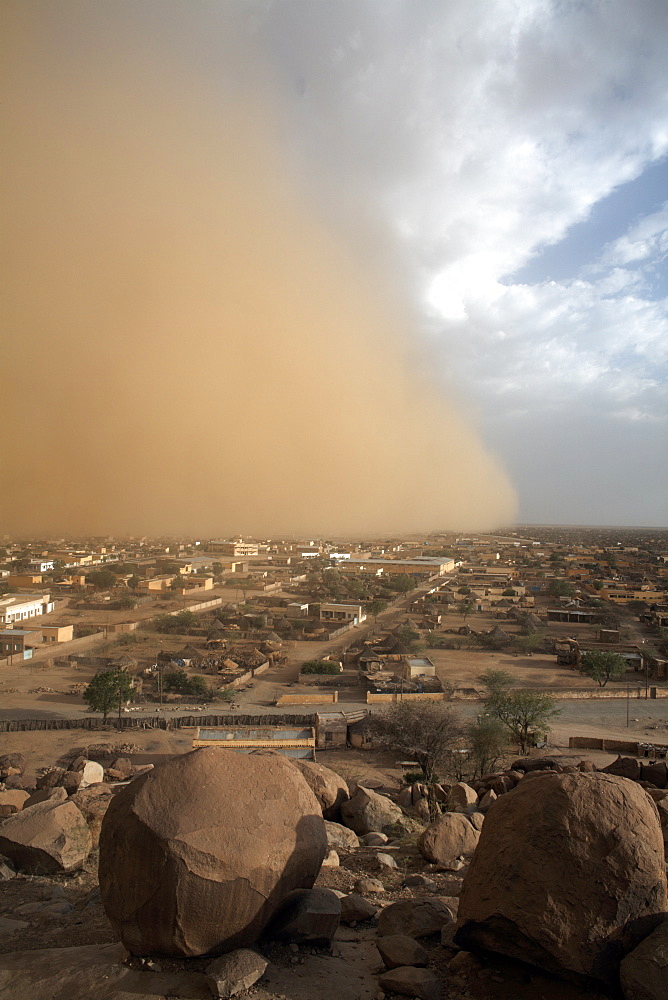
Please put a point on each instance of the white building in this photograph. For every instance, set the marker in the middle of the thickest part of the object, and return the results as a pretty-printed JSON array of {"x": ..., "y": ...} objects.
[
  {"x": 19, "y": 607},
  {"x": 342, "y": 613},
  {"x": 40, "y": 565}
]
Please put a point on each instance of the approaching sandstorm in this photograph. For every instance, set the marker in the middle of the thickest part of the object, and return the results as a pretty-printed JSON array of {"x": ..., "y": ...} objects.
[{"x": 190, "y": 348}]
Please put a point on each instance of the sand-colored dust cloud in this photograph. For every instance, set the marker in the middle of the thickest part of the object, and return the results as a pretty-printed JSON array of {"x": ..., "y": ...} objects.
[{"x": 187, "y": 349}]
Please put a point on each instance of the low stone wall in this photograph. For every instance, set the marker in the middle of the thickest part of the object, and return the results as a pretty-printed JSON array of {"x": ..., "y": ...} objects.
[
  {"x": 372, "y": 698},
  {"x": 322, "y": 698},
  {"x": 613, "y": 746}
]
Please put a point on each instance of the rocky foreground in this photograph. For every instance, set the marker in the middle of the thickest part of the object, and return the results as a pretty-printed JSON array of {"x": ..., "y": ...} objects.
[{"x": 223, "y": 874}]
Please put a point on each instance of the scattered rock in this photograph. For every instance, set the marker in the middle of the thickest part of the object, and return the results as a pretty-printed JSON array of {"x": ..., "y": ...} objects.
[
  {"x": 448, "y": 837},
  {"x": 11, "y": 763},
  {"x": 369, "y": 812},
  {"x": 52, "y": 795},
  {"x": 50, "y": 779},
  {"x": 464, "y": 961},
  {"x": 411, "y": 982},
  {"x": 235, "y": 972},
  {"x": 355, "y": 908},
  {"x": 123, "y": 766},
  {"x": 643, "y": 972},
  {"x": 6, "y": 872},
  {"x": 385, "y": 860},
  {"x": 45, "y": 838},
  {"x": 307, "y": 915},
  {"x": 341, "y": 836},
  {"x": 604, "y": 832},
  {"x": 624, "y": 767},
  {"x": 417, "y": 917},
  {"x": 331, "y": 860},
  {"x": 13, "y": 797},
  {"x": 365, "y": 885},
  {"x": 328, "y": 787},
  {"x": 477, "y": 819},
  {"x": 399, "y": 949},
  {"x": 487, "y": 800},
  {"x": 534, "y": 764},
  {"x": 93, "y": 802},
  {"x": 374, "y": 839},
  {"x": 91, "y": 773},
  {"x": 9, "y": 926},
  {"x": 461, "y": 796},
  {"x": 189, "y": 866},
  {"x": 420, "y": 881}
]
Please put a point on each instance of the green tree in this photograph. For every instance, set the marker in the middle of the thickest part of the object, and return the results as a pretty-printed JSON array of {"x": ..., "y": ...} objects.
[
  {"x": 486, "y": 738},
  {"x": 466, "y": 608},
  {"x": 217, "y": 568},
  {"x": 560, "y": 588},
  {"x": 407, "y": 635},
  {"x": 602, "y": 666},
  {"x": 376, "y": 607},
  {"x": 495, "y": 682},
  {"x": 175, "y": 681},
  {"x": 423, "y": 731},
  {"x": 127, "y": 601},
  {"x": 402, "y": 583},
  {"x": 509, "y": 592},
  {"x": 176, "y": 583},
  {"x": 133, "y": 582},
  {"x": 529, "y": 643},
  {"x": 101, "y": 579},
  {"x": 524, "y": 713},
  {"x": 108, "y": 689}
]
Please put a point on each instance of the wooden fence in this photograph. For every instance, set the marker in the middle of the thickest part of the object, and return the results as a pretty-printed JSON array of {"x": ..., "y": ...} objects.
[{"x": 161, "y": 721}]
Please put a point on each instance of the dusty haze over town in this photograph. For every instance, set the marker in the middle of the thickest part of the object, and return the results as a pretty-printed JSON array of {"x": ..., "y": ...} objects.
[{"x": 206, "y": 354}]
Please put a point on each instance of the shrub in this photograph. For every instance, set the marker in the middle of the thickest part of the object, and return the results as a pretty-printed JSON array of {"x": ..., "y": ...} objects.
[{"x": 320, "y": 667}]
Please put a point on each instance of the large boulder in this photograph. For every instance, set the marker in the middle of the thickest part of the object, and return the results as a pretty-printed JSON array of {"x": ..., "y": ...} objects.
[
  {"x": 311, "y": 915},
  {"x": 399, "y": 949},
  {"x": 417, "y": 917},
  {"x": 369, "y": 812},
  {"x": 341, "y": 836},
  {"x": 46, "y": 838},
  {"x": 411, "y": 982},
  {"x": 644, "y": 971},
  {"x": 13, "y": 797},
  {"x": 656, "y": 774},
  {"x": 461, "y": 796},
  {"x": 93, "y": 802},
  {"x": 328, "y": 787},
  {"x": 448, "y": 837},
  {"x": 11, "y": 763},
  {"x": 197, "y": 855},
  {"x": 624, "y": 767},
  {"x": 568, "y": 875}
]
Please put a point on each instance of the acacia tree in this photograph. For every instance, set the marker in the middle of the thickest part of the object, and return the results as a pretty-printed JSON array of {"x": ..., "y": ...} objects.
[
  {"x": 486, "y": 738},
  {"x": 376, "y": 607},
  {"x": 466, "y": 608},
  {"x": 523, "y": 713},
  {"x": 108, "y": 689},
  {"x": 425, "y": 731},
  {"x": 602, "y": 666}
]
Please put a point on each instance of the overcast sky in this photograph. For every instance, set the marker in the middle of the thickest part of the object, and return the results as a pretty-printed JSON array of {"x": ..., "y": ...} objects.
[
  {"x": 496, "y": 168},
  {"x": 514, "y": 154}
]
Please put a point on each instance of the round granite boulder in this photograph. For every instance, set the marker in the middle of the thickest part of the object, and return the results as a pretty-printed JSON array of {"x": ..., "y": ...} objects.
[{"x": 197, "y": 855}]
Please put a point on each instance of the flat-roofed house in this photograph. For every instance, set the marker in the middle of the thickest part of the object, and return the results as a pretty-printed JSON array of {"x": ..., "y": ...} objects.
[{"x": 291, "y": 741}]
